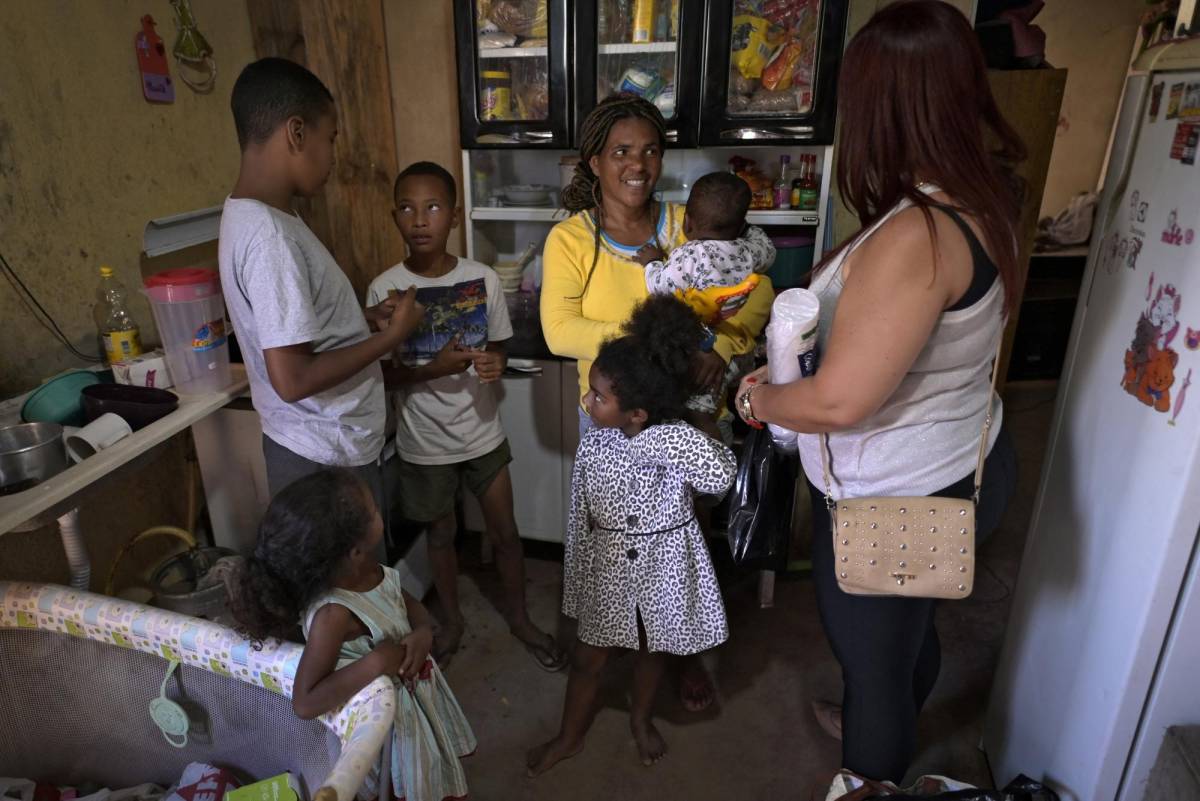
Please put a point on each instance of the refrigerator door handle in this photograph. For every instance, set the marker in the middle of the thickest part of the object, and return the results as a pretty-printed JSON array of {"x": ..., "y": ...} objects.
[{"x": 780, "y": 132}]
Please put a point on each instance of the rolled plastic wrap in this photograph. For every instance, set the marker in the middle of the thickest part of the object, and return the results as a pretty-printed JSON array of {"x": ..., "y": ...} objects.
[{"x": 791, "y": 348}]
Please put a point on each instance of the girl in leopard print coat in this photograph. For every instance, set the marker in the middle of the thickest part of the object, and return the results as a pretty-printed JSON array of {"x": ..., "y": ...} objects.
[{"x": 637, "y": 574}]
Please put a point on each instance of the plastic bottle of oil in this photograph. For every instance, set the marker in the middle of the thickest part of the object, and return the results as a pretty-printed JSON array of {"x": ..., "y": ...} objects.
[
  {"x": 118, "y": 331},
  {"x": 643, "y": 21}
]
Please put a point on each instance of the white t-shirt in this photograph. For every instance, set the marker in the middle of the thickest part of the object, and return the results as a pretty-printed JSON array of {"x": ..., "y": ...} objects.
[
  {"x": 453, "y": 418},
  {"x": 282, "y": 287}
]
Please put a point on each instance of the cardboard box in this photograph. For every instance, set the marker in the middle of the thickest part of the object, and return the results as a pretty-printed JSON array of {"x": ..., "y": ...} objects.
[{"x": 146, "y": 370}]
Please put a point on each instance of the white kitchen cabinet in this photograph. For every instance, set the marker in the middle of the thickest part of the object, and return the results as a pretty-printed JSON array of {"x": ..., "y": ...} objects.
[
  {"x": 570, "y": 427},
  {"x": 533, "y": 408}
]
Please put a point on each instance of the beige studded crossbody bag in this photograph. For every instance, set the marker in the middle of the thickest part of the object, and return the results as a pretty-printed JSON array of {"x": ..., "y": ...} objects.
[{"x": 916, "y": 546}]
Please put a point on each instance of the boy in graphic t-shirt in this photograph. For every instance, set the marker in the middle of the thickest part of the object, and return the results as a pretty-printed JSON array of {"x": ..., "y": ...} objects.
[{"x": 448, "y": 424}]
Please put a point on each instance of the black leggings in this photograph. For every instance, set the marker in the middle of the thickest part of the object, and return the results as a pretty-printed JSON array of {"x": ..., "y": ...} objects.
[{"x": 888, "y": 647}]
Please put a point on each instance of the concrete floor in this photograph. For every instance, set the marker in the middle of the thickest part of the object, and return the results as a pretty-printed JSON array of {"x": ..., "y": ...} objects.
[{"x": 761, "y": 741}]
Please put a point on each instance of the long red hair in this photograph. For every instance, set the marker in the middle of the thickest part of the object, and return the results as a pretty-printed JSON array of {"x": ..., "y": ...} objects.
[{"x": 915, "y": 104}]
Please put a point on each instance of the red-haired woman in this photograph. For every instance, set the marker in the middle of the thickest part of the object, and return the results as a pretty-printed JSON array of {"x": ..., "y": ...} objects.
[{"x": 912, "y": 308}]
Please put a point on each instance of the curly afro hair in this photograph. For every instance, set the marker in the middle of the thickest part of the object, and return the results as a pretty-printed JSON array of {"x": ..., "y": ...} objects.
[{"x": 650, "y": 365}]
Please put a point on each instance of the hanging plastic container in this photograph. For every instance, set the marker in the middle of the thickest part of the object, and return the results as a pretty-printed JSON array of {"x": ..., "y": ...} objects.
[{"x": 190, "y": 313}]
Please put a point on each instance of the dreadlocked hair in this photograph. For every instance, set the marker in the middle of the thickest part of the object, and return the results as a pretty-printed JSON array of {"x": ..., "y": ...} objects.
[
  {"x": 307, "y": 531},
  {"x": 650, "y": 364},
  {"x": 583, "y": 193}
]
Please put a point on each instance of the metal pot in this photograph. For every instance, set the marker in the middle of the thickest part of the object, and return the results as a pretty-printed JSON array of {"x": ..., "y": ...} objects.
[
  {"x": 182, "y": 583},
  {"x": 29, "y": 454}
]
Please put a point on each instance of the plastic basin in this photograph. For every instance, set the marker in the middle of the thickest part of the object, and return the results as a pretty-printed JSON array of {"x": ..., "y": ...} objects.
[{"x": 58, "y": 400}]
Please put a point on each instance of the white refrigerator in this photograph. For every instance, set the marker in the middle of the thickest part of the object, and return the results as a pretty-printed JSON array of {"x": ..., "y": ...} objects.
[{"x": 1102, "y": 652}]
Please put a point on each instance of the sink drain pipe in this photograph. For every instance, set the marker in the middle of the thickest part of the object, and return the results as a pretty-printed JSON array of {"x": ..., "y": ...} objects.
[{"x": 77, "y": 556}]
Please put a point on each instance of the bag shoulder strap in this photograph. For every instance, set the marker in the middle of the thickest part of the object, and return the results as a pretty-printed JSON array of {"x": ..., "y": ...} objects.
[{"x": 983, "y": 440}]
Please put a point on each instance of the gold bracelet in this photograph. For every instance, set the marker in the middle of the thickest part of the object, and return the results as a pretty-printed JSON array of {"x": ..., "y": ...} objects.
[{"x": 747, "y": 407}]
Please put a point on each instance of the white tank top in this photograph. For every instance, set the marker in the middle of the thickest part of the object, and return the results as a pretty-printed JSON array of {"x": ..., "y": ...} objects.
[{"x": 926, "y": 435}]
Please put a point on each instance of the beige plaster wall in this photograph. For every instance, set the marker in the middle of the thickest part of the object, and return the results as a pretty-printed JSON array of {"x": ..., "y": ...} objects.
[
  {"x": 1093, "y": 40},
  {"x": 85, "y": 161}
]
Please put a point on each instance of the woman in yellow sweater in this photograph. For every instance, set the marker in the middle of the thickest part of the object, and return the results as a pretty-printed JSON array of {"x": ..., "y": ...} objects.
[{"x": 592, "y": 280}]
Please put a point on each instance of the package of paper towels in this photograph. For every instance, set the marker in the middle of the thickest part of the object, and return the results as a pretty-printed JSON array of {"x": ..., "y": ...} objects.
[{"x": 792, "y": 347}]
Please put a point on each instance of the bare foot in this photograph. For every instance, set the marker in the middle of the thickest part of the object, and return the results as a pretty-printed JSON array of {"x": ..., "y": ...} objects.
[
  {"x": 541, "y": 646},
  {"x": 446, "y": 640},
  {"x": 547, "y": 755},
  {"x": 650, "y": 744},
  {"x": 696, "y": 690}
]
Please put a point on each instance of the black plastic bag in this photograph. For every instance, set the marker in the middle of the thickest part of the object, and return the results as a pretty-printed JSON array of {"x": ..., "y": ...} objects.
[{"x": 760, "y": 506}]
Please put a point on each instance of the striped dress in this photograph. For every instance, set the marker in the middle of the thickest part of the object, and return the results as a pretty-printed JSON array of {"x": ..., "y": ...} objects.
[{"x": 430, "y": 733}]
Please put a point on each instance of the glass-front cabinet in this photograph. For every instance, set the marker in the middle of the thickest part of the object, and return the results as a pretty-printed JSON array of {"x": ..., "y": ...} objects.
[
  {"x": 650, "y": 48},
  {"x": 771, "y": 71},
  {"x": 513, "y": 75},
  {"x": 723, "y": 72}
]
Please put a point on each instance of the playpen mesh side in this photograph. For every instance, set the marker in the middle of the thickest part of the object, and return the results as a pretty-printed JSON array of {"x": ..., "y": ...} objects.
[{"x": 74, "y": 710}]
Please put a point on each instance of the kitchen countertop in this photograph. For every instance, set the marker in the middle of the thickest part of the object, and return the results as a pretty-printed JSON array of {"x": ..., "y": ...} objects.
[{"x": 54, "y": 493}]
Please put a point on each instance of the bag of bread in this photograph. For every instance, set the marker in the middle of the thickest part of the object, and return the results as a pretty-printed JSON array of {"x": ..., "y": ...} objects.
[{"x": 525, "y": 18}]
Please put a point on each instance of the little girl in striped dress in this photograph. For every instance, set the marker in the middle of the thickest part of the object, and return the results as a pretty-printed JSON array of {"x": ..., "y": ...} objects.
[{"x": 314, "y": 563}]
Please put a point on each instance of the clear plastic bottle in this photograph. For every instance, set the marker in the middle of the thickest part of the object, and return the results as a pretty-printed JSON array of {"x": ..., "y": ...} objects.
[
  {"x": 118, "y": 331},
  {"x": 783, "y": 187}
]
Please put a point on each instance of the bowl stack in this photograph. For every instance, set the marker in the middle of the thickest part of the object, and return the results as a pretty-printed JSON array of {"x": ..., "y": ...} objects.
[
  {"x": 511, "y": 270},
  {"x": 510, "y": 274}
]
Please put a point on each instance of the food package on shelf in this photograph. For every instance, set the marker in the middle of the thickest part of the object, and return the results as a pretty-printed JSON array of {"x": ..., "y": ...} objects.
[
  {"x": 532, "y": 89},
  {"x": 760, "y": 185},
  {"x": 526, "y": 18},
  {"x": 778, "y": 101},
  {"x": 483, "y": 12},
  {"x": 778, "y": 72},
  {"x": 786, "y": 13},
  {"x": 774, "y": 48},
  {"x": 495, "y": 38},
  {"x": 753, "y": 41},
  {"x": 741, "y": 85},
  {"x": 666, "y": 101}
]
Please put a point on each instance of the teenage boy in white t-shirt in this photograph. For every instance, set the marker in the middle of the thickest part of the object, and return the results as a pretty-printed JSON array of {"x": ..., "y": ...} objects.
[{"x": 448, "y": 424}]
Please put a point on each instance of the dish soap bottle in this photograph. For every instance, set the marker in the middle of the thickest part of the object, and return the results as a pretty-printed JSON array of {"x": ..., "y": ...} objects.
[{"x": 118, "y": 332}]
